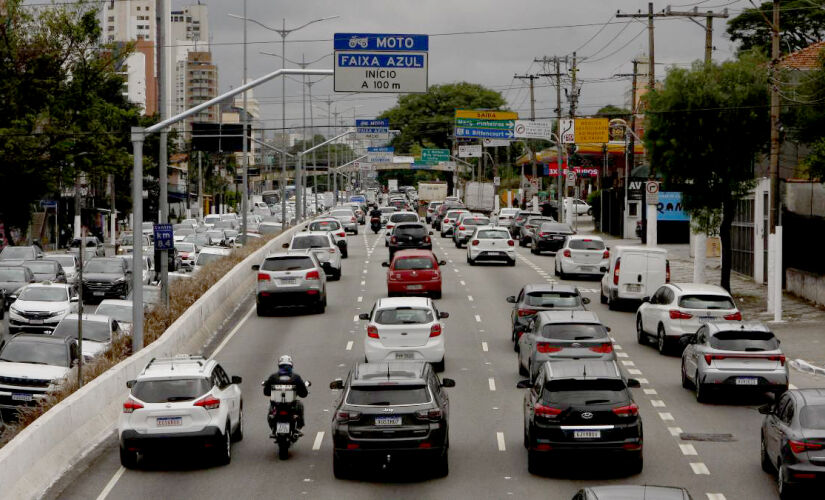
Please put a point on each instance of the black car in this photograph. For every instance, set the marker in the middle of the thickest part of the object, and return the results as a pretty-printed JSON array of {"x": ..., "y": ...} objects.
[
  {"x": 519, "y": 220},
  {"x": 46, "y": 270},
  {"x": 106, "y": 278},
  {"x": 542, "y": 297},
  {"x": 388, "y": 412},
  {"x": 410, "y": 235},
  {"x": 12, "y": 279},
  {"x": 550, "y": 236},
  {"x": 632, "y": 492},
  {"x": 528, "y": 230},
  {"x": 793, "y": 441},
  {"x": 442, "y": 211},
  {"x": 581, "y": 409}
]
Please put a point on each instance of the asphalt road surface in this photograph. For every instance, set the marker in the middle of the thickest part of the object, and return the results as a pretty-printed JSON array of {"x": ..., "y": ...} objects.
[{"x": 487, "y": 459}]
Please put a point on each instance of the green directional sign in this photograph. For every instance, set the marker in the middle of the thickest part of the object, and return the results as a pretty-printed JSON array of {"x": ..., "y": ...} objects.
[
  {"x": 478, "y": 123},
  {"x": 433, "y": 156}
]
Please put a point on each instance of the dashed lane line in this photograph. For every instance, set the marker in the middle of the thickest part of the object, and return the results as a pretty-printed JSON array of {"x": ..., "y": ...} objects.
[
  {"x": 657, "y": 403},
  {"x": 650, "y": 391},
  {"x": 484, "y": 346},
  {"x": 700, "y": 468},
  {"x": 675, "y": 431},
  {"x": 349, "y": 345},
  {"x": 666, "y": 416},
  {"x": 715, "y": 496},
  {"x": 688, "y": 449},
  {"x": 470, "y": 298},
  {"x": 319, "y": 438},
  {"x": 355, "y": 318},
  {"x": 492, "y": 383},
  {"x": 478, "y": 318},
  {"x": 500, "y": 439}
]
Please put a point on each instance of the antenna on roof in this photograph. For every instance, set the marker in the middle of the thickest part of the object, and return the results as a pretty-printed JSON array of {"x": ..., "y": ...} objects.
[
  {"x": 584, "y": 370},
  {"x": 388, "y": 371}
]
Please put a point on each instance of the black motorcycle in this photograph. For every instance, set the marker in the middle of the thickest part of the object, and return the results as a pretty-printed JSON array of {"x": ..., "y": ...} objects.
[
  {"x": 375, "y": 224},
  {"x": 283, "y": 416}
]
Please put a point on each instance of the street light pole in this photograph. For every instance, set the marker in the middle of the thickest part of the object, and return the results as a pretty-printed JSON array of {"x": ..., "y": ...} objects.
[{"x": 245, "y": 122}]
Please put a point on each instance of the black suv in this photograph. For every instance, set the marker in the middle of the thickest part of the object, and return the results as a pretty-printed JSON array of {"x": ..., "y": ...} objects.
[
  {"x": 390, "y": 411},
  {"x": 519, "y": 220},
  {"x": 542, "y": 297},
  {"x": 550, "y": 236},
  {"x": 578, "y": 409},
  {"x": 106, "y": 278},
  {"x": 410, "y": 235}
]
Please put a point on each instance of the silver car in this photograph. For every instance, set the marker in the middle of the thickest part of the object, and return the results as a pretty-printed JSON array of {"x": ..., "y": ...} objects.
[
  {"x": 290, "y": 279},
  {"x": 347, "y": 219},
  {"x": 736, "y": 356},
  {"x": 322, "y": 245}
]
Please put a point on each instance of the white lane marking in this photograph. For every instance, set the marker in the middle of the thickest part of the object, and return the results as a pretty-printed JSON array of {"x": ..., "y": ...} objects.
[
  {"x": 657, "y": 403},
  {"x": 675, "y": 431},
  {"x": 363, "y": 283},
  {"x": 634, "y": 371},
  {"x": 484, "y": 346},
  {"x": 650, "y": 392},
  {"x": 687, "y": 449},
  {"x": 366, "y": 262},
  {"x": 492, "y": 383},
  {"x": 699, "y": 468},
  {"x": 627, "y": 362},
  {"x": 365, "y": 271},
  {"x": 500, "y": 439},
  {"x": 462, "y": 283},
  {"x": 621, "y": 355},
  {"x": 318, "y": 439},
  {"x": 617, "y": 347},
  {"x": 715, "y": 496},
  {"x": 470, "y": 298},
  {"x": 456, "y": 270},
  {"x": 355, "y": 318},
  {"x": 360, "y": 299},
  {"x": 642, "y": 380},
  {"x": 791, "y": 387},
  {"x": 111, "y": 484},
  {"x": 232, "y": 333},
  {"x": 478, "y": 318},
  {"x": 667, "y": 417},
  {"x": 349, "y": 345}
]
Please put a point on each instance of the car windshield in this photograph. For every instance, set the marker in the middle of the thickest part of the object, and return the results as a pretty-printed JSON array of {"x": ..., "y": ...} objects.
[
  {"x": 477, "y": 221},
  {"x": 12, "y": 274},
  {"x": 744, "y": 340},
  {"x": 535, "y": 221},
  {"x": 96, "y": 331},
  {"x": 324, "y": 225},
  {"x": 41, "y": 267},
  {"x": 492, "y": 234},
  {"x": 452, "y": 214},
  {"x": 287, "y": 264},
  {"x": 555, "y": 227},
  {"x": 121, "y": 313},
  {"x": 104, "y": 266},
  {"x": 170, "y": 391},
  {"x": 404, "y": 316},
  {"x": 205, "y": 258},
  {"x": 185, "y": 247},
  {"x": 412, "y": 263},
  {"x": 17, "y": 253},
  {"x": 63, "y": 260},
  {"x": 403, "y": 218},
  {"x": 382, "y": 395},
  {"x": 812, "y": 417},
  {"x": 586, "y": 244},
  {"x": 417, "y": 231},
  {"x": 573, "y": 331},
  {"x": 387, "y": 210},
  {"x": 585, "y": 392},
  {"x": 706, "y": 302},
  {"x": 304, "y": 242},
  {"x": 343, "y": 213},
  {"x": 39, "y": 353},
  {"x": 551, "y": 299},
  {"x": 44, "y": 294}
]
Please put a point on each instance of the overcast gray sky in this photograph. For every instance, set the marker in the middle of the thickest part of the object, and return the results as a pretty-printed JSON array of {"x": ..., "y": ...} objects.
[{"x": 490, "y": 59}]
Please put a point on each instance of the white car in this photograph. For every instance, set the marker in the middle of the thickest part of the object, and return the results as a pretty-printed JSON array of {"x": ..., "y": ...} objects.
[
  {"x": 333, "y": 227},
  {"x": 491, "y": 243},
  {"x": 465, "y": 226},
  {"x": 385, "y": 214},
  {"x": 347, "y": 219},
  {"x": 405, "y": 328},
  {"x": 40, "y": 307},
  {"x": 33, "y": 365},
  {"x": 505, "y": 216},
  {"x": 580, "y": 207},
  {"x": 323, "y": 245},
  {"x": 68, "y": 261},
  {"x": 679, "y": 309},
  {"x": 209, "y": 254},
  {"x": 210, "y": 220},
  {"x": 394, "y": 219},
  {"x": 120, "y": 310},
  {"x": 147, "y": 270},
  {"x": 449, "y": 220},
  {"x": 582, "y": 255},
  {"x": 98, "y": 332},
  {"x": 188, "y": 252},
  {"x": 183, "y": 400}
]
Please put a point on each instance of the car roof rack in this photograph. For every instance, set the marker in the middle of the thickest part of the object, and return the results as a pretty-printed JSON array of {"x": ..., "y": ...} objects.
[{"x": 178, "y": 358}]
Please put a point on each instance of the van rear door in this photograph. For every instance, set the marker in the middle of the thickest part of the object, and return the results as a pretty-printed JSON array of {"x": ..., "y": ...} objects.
[
  {"x": 656, "y": 272},
  {"x": 632, "y": 271}
]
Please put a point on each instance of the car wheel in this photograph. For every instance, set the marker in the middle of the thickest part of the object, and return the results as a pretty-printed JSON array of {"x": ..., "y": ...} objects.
[
  {"x": 437, "y": 295},
  {"x": 602, "y": 296},
  {"x": 344, "y": 254},
  {"x": 534, "y": 249},
  {"x": 339, "y": 468},
  {"x": 260, "y": 310},
  {"x": 641, "y": 336},
  {"x": 225, "y": 451},
  {"x": 356, "y": 232},
  {"x": 612, "y": 304},
  {"x": 470, "y": 261},
  {"x": 533, "y": 462},
  {"x": 522, "y": 242},
  {"x": 635, "y": 464},
  {"x": 512, "y": 263},
  {"x": 767, "y": 466},
  {"x": 661, "y": 341},
  {"x": 521, "y": 369},
  {"x": 442, "y": 466},
  {"x": 686, "y": 383},
  {"x": 238, "y": 434},
  {"x": 785, "y": 490},
  {"x": 701, "y": 389},
  {"x": 128, "y": 459},
  {"x": 439, "y": 366}
]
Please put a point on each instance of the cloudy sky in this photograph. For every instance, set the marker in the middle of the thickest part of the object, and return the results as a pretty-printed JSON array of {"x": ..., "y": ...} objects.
[{"x": 479, "y": 41}]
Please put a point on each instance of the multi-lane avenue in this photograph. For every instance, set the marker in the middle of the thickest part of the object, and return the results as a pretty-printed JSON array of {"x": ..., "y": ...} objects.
[{"x": 487, "y": 458}]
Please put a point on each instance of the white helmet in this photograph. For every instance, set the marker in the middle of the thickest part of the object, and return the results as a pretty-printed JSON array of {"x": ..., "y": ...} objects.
[{"x": 285, "y": 360}]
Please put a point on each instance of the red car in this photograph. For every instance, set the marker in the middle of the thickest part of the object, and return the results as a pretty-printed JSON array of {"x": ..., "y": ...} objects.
[{"x": 414, "y": 272}]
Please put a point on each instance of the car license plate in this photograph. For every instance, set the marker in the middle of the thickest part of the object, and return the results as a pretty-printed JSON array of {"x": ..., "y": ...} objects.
[
  {"x": 415, "y": 287},
  {"x": 282, "y": 428},
  {"x": 634, "y": 288},
  {"x": 495, "y": 254},
  {"x": 98, "y": 294},
  {"x": 587, "y": 268},
  {"x": 705, "y": 319},
  {"x": 290, "y": 281},
  {"x": 404, "y": 355},
  {"x": 587, "y": 434},
  {"x": 169, "y": 421},
  {"x": 558, "y": 237},
  {"x": 747, "y": 381},
  {"x": 387, "y": 420},
  {"x": 21, "y": 397},
  {"x": 36, "y": 321}
]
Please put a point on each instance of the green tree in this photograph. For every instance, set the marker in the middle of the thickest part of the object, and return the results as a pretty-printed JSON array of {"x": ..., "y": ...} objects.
[
  {"x": 704, "y": 130},
  {"x": 802, "y": 22},
  {"x": 803, "y": 115},
  {"x": 427, "y": 119},
  {"x": 610, "y": 112}
]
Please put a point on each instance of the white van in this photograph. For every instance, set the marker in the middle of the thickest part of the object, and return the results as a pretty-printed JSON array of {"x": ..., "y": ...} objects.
[{"x": 635, "y": 272}]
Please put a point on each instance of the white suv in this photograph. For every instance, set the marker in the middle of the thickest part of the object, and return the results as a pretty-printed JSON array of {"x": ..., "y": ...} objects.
[
  {"x": 323, "y": 245},
  {"x": 181, "y": 400},
  {"x": 41, "y": 306}
]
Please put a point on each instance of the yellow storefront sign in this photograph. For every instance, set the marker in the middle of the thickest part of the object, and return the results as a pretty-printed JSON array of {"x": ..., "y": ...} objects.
[{"x": 486, "y": 115}]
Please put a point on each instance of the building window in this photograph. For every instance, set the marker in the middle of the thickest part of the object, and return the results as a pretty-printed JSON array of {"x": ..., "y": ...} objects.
[
  {"x": 111, "y": 19},
  {"x": 633, "y": 209},
  {"x": 138, "y": 7}
]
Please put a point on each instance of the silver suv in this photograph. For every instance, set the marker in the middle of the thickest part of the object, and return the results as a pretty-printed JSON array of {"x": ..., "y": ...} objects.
[
  {"x": 290, "y": 278},
  {"x": 322, "y": 245},
  {"x": 185, "y": 400}
]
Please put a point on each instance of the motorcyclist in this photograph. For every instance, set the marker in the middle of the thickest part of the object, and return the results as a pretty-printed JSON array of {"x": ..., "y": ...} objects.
[
  {"x": 375, "y": 212},
  {"x": 286, "y": 376}
]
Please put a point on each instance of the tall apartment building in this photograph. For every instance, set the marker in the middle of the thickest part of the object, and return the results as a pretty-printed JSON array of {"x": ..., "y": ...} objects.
[
  {"x": 189, "y": 33},
  {"x": 200, "y": 82}
]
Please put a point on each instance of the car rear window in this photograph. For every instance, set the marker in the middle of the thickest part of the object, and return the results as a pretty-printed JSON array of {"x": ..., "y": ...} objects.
[
  {"x": 706, "y": 302},
  {"x": 304, "y": 242},
  {"x": 297, "y": 263},
  {"x": 574, "y": 331},
  {"x": 490, "y": 234},
  {"x": 554, "y": 227},
  {"x": 739, "y": 340},
  {"x": 40, "y": 267},
  {"x": 404, "y": 316},
  {"x": 378, "y": 395},
  {"x": 409, "y": 263},
  {"x": 404, "y": 218},
  {"x": 12, "y": 275},
  {"x": 98, "y": 331},
  {"x": 104, "y": 266},
  {"x": 168, "y": 391},
  {"x": 812, "y": 417},
  {"x": 326, "y": 225},
  {"x": 478, "y": 221},
  {"x": 387, "y": 210},
  {"x": 586, "y": 244},
  {"x": 417, "y": 231},
  {"x": 585, "y": 392},
  {"x": 551, "y": 299},
  {"x": 452, "y": 214}
]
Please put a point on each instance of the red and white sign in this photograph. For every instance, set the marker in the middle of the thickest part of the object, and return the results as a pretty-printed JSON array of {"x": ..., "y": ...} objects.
[{"x": 553, "y": 171}]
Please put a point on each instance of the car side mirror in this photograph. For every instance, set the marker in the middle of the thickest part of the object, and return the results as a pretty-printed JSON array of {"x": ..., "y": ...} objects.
[
  {"x": 285, "y": 245},
  {"x": 766, "y": 409},
  {"x": 74, "y": 299},
  {"x": 607, "y": 328},
  {"x": 447, "y": 382},
  {"x": 442, "y": 262},
  {"x": 236, "y": 379},
  {"x": 633, "y": 383},
  {"x": 431, "y": 233},
  {"x": 443, "y": 315},
  {"x": 336, "y": 384},
  {"x": 645, "y": 299},
  {"x": 130, "y": 383},
  {"x": 511, "y": 299},
  {"x": 256, "y": 267},
  {"x": 385, "y": 264},
  {"x": 524, "y": 384},
  {"x": 364, "y": 316}
]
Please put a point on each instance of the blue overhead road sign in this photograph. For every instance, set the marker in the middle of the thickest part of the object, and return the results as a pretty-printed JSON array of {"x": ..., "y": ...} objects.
[
  {"x": 379, "y": 62},
  {"x": 382, "y": 41},
  {"x": 483, "y": 133},
  {"x": 385, "y": 123}
]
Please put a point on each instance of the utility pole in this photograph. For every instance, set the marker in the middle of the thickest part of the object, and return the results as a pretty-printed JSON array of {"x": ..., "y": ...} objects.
[
  {"x": 532, "y": 79},
  {"x": 775, "y": 236},
  {"x": 556, "y": 60},
  {"x": 651, "y": 74},
  {"x": 163, "y": 97},
  {"x": 630, "y": 153},
  {"x": 708, "y": 27},
  {"x": 573, "y": 97}
]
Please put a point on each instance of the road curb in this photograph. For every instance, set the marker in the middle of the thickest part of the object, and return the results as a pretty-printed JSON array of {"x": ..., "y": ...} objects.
[{"x": 804, "y": 366}]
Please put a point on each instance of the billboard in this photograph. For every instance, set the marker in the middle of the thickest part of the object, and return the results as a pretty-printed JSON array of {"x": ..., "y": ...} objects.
[{"x": 670, "y": 208}]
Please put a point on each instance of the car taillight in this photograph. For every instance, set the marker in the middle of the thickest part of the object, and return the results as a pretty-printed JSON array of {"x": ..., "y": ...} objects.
[
  {"x": 352, "y": 219},
  {"x": 567, "y": 253},
  {"x": 435, "y": 330},
  {"x": 436, "y": 276},
  {"x": 393, "y": 240},
  {"x": 433, "y": 414},
  {"x": 475, "y": 243},
  {"x": 342, "y": 234},
  {"x": 602, "y": 348},
  {"x": 630, "y": 410},
  {"x": 372, "y": 332},
  {"x": 131, "y": 405},
  {"x": 677, "y": 314},
  {"x": 331, "y": 250},
  {"x": 313, "y": 275},
  {"x": 616, "y": 271},
  {"x": 461, "y": 228},
  {"x": 606, "y": 254},
  {"x": 347, "y": 416},
  {"x": 426, "y": 239},
  {"x": 544, "y": 234},
  {"x": 263, "y": 277},
  {"x": 667, "y": 271},
  {"x": 543, "y": 411},
  {"x": 208, "y": 402},
  {"x": 526, "y": 312},
  {"x": 511, "y": 243},
  {"x": 446, "y": 220},
  {"x": 802, "y": 446},
  {"x": 737, "y": 316},
  {"x": 546, "y": 348}
]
